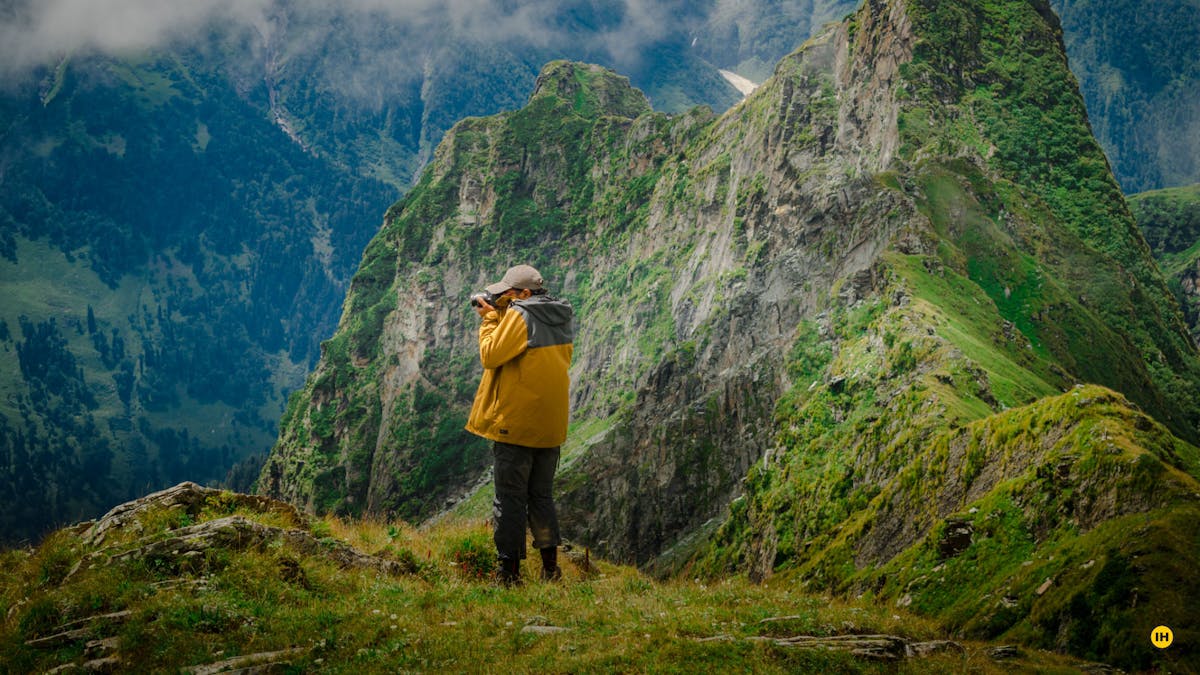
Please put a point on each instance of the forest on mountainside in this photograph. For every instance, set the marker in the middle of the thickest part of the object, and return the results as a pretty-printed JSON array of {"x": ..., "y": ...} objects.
[{"x": 1138, "y": 66}]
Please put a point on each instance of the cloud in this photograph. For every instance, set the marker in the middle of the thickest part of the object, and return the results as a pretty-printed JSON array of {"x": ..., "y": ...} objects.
[{"x": 39, "y": 32}]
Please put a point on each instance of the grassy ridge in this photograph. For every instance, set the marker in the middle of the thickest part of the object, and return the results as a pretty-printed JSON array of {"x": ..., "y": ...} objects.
[
  {"x": 1049, "y": 490},
  {"x": 1015, "y": 106},
  {"x": 442, "y": 613}
]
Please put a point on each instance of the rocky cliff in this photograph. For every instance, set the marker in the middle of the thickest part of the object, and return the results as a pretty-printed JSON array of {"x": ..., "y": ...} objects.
[{"x": 822, "y": 335}]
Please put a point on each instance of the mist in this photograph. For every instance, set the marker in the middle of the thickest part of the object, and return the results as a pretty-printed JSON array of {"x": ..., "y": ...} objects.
[{"x": 41, "y": 32}]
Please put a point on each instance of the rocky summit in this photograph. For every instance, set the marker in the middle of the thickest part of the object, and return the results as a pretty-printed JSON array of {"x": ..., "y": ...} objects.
[{"x": 887, "y": 328}]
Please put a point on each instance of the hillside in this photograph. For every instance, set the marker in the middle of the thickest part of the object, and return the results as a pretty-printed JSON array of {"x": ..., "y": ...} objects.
[
  {"x": 1170, "y": 221},
  {"x": 201, "y": 581},
  {"x": 1138, "y": 66},
  {"x": 895, "y": 288},
  {"x": 161, "y": 285}
]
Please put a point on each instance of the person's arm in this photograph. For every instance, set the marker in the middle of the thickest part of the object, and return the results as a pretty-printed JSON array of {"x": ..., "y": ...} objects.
[{"x": 502, "y": 339}]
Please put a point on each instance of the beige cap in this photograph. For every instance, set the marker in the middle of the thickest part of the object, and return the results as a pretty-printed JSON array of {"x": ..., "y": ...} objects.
[{"x": 519, "y": 277}]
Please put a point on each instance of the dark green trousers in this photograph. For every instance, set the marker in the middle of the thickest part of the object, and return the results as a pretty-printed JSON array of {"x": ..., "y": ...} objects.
[{"x": 524, "y": 480}]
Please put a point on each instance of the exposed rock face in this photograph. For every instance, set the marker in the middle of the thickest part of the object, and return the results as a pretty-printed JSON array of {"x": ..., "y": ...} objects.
[{"x": 811, "y": 137}]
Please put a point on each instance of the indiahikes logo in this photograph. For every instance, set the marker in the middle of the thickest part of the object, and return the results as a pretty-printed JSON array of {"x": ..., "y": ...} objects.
[{"x": 1162, "y": 637}]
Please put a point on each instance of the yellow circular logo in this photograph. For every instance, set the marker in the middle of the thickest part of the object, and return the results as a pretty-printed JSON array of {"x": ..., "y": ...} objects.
[{"x": 1162, "y": 637}]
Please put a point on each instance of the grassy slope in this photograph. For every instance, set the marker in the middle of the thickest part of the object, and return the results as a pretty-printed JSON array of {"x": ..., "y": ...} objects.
[
  {"x": 439, "y": 616},
  {"x": 896, "y": 429},
  {"x": 1081, "y": 488}
]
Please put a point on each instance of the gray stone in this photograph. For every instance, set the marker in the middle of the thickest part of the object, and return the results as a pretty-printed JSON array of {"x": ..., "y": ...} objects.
[
  {"x": 1004, "y": 652},
  {"x": 100, "y": 648},
  {"x": 240, "y": 533},
  {"x": 878, "y": 647},
  {"x": 544, "y": 630},
  {"x": 78, "y": 630},
  {"x": 261, "y": 662},
  {"x": 935, "y": 647},
  {"x": 956, "y": 538},
  {"x": 187, "y": 497},
  {"x": 875, "y": 647}
]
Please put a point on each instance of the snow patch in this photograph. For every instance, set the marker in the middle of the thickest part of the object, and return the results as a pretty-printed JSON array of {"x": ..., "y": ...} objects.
[{"x": 740, "y": 83}]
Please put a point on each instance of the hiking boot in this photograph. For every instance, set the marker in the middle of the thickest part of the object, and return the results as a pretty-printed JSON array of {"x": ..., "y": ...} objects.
[
  {"x": 550, "y": 569},
  {"x": 509, "y": 573}
]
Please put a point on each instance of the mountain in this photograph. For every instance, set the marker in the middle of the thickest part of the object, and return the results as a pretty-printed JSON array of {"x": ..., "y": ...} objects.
[
  {"x": 887, "y": 327},
  {"x": 1138, "y": 65},
  {"x": 184, "y": 194},
  {"x": 197, "y": 580},
  {"x": 179, "y": 222},
  {"x": 1170, "y": 221},
  {"x": 166, "y": 259}
]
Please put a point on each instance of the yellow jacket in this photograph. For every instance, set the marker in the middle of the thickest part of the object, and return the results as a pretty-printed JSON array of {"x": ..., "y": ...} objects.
[{"x": 523, "y": 396}]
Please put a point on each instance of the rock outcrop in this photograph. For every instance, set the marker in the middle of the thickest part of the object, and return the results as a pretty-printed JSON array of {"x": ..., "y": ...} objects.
[
  {"x": 179, "y": 537},
  {"x": 189, "y": 543}
]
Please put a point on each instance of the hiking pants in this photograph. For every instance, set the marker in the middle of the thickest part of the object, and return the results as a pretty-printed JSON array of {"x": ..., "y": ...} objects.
[{"x": 524, "y": 495}]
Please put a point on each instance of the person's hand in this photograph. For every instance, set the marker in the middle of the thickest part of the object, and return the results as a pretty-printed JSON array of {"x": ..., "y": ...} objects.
[{"x": 482, "y": 308}]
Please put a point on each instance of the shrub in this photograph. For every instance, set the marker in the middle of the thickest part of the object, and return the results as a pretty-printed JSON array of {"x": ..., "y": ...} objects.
[{"x": 474, "y": 556}]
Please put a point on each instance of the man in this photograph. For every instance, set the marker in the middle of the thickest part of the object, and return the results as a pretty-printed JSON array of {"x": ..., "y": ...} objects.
[{"x": 525, "y": 345}]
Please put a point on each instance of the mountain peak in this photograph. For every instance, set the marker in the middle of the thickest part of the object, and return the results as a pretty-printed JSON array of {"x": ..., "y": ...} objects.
[{"x": 590, "y": 89}]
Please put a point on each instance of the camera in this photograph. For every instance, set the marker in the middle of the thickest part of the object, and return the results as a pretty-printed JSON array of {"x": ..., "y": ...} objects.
[{"x": 477, "y": 299}]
